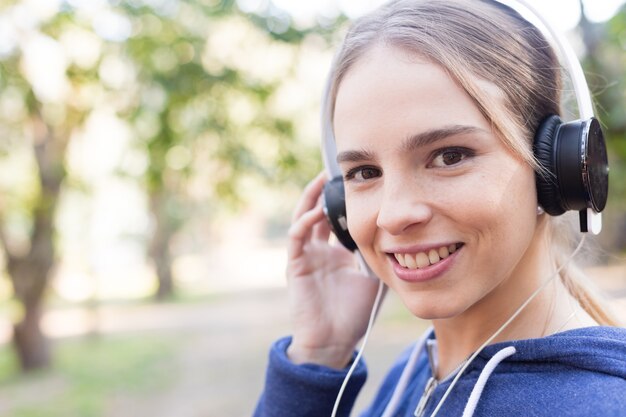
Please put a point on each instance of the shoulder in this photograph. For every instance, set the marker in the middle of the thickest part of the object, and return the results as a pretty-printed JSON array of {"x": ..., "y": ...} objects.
[
  {"x": 580, "y": 372},
  {"x": 587, "y": 351},
  {"x": 566, "y": 393}
]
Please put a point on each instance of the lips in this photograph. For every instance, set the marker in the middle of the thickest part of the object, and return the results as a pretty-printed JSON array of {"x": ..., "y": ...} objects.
[
  {"x": 423, "y": 259},
  {"x": 424, "y": 263}
]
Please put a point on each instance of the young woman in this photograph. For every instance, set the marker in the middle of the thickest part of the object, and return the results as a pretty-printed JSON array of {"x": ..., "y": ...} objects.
[{"x": 434, "y": 105}]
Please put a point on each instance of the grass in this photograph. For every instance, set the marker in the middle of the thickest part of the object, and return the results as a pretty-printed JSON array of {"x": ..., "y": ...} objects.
[{"x": 88, "y": 373}]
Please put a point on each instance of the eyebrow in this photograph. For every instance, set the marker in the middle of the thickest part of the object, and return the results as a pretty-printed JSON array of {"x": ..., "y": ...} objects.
[
  {"x": 414, "y": 141},
  {"x": 431, "y": 136}
]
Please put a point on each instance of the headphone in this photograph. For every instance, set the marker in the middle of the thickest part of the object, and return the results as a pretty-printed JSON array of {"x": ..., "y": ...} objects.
[{"x": 572, "y": 156}]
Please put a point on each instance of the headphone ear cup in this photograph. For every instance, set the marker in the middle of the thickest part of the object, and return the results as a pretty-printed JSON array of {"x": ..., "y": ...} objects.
[
  {"x": 335, "y": 210},
  {"x": 545, "y": 147}
]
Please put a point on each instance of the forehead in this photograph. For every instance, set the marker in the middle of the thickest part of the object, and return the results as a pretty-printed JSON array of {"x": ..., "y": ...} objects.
[{"x": 390, "y": 92}]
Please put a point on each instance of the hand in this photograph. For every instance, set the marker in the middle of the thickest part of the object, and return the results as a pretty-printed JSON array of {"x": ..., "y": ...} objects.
[{"x": 330, "y": 298}]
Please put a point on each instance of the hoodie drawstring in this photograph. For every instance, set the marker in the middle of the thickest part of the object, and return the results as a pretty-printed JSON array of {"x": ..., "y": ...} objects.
[
  {"x": 406, "y": 374},
  {"x": 477, "y": 391},
  {"x": 474, "y": 397}
]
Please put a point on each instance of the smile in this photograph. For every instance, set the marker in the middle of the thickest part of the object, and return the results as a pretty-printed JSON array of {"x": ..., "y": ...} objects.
[{"x": 421, "y": 260}]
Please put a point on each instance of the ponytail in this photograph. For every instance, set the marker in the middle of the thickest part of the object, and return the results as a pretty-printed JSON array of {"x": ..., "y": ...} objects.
[{"x": 576, "y": 280}]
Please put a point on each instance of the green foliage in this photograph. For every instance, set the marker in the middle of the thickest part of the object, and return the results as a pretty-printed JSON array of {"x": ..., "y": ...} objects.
[
  {"x": 279, "y": 26},
  {"x": 196, "y": 82},
  {"x": 612, "y": 57},
  {"x": 89, "y": 373},
  {"x": 187, "y": 87},
  {"x": 604, "y": 64},
  {"x": 172, "y": 55}
]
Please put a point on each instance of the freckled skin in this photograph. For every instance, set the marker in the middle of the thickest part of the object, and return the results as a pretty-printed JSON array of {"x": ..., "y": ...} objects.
[{"x": 487, "y": 201}]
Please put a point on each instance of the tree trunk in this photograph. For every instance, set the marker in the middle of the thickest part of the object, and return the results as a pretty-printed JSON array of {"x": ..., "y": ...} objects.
[
  {"x": 159, "y": 250},
  {"x": 30, "y": 343},
  {"x": 29, "y": 275},
  {"x": 30, "y": 271}
]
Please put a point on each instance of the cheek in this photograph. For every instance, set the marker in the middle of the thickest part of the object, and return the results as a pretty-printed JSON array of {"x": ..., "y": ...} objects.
[
  {"x": 361, "y": 216},
  {"x": 501, "y": 192},
  {"x": 494, "y": 207},
  {"x": 506, "y": 216},
  {"x": 514, "y": 194}
]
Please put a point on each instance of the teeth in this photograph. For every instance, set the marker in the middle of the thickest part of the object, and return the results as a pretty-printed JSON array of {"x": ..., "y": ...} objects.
[
  {"x": 400, "y": 259},
  {"x": 422, "y": 259},
  {"x": 433, "y": 256},
  {"x": 410, "y": 262}
]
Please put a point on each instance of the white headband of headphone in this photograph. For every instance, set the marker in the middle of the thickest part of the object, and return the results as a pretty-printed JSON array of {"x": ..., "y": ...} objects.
[{"x": 564, "y": 50}]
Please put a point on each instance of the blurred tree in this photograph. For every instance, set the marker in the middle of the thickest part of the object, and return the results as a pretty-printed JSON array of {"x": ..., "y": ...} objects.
[
  {"x": 206, "y": 78},
  {"x": 38, "y": 115},
  {"x": 604, "y": 61},
  {"x": 198, "y": 83}
]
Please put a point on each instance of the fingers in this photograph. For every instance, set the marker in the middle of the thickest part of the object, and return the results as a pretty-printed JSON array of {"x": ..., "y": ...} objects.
[
  {"x": 301, "y": 230},
  {"x": 321, "y": 231},
  {"x": 310, "y": 196}
]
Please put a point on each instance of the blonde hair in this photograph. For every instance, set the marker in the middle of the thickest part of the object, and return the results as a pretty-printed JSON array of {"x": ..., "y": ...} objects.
[{"x": 484, "y": 40}]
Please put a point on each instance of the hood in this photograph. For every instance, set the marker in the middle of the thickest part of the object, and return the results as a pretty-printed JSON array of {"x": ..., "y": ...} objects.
[{"x": 597, "y": 349}]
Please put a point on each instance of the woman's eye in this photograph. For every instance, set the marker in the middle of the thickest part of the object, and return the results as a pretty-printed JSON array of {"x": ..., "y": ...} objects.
[
  {"x": 362, "y": 173},
  {"x": 449, "y": 157}
]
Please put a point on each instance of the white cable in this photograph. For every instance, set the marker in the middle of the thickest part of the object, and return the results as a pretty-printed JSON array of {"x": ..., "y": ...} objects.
[
  {"x": 403, "y": 382},
  {"x": 470, "y": 407},
  {"x": 505, "y": 325},
  {"x": 379, "y": 295}
]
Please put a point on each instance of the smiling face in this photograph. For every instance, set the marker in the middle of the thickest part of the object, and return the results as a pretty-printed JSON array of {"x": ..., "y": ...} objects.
[{"x": 441, "y": 210}]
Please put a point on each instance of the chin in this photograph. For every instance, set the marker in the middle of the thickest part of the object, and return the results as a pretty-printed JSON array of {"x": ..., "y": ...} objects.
[{"x": 429, "y": 308}]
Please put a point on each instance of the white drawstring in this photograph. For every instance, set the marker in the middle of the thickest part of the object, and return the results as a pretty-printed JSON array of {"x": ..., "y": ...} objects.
[
  {"x": 504, "y": 326},
  {"x": 482, "y": 379},
  {"x": 396, "y": 397},
  {"x": 412, "y": 360}
]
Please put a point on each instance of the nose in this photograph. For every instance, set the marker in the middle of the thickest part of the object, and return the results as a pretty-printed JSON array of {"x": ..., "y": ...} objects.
[{"x": 403, "y": 206}]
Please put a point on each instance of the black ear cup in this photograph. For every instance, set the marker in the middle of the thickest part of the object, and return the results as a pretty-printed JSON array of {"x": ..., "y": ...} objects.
[
  {"x": 335, "y": 210},
  {"x": 548, "y": 194},
  {"x": 596, "y": 175},
  {"x": 574, "y": 174}
]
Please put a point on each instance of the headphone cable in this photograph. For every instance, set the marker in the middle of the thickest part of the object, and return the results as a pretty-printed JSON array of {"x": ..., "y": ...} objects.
[
  {"x": 513, "y": 316},
  {"x": 373, "y": 313}
]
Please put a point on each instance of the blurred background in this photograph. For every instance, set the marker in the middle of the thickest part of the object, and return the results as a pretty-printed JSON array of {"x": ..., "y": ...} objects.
[{"x": 151, "y": 152}]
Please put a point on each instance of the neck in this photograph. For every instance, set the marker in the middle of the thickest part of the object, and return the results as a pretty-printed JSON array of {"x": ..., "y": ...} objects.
[{"x": 552, "y": 310}]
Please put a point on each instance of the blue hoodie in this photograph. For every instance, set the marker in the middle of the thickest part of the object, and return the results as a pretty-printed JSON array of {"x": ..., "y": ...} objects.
[{"x": 579, "y": 372}]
